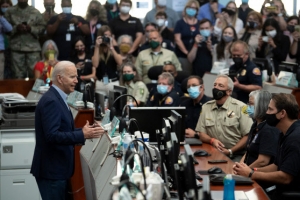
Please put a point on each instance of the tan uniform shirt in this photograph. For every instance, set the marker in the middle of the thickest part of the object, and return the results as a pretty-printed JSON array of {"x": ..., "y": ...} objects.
[
  {"x": 228, "y": 123},
  {"x": 139, "y": 90},
  {"x": 147, "y": 59}
]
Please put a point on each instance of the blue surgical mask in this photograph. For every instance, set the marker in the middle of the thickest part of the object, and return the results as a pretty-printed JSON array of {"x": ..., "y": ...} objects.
[
  {"x": 3, "y": 10},
  {"x": 227, "y": 38},
  {"x": 162, "y": 89},
  {"x": 194, "y": 92},
  {"x": 191, "y": 12},
  {"x": 250, "y": 110},
  {"x": 112, "y": 2},
  {"x": 67, "y": 10},
  {"x": 205, "y": 33}
]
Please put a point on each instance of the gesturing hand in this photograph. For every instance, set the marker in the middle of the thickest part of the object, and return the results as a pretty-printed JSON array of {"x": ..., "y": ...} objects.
[{"x": 92, "y": 131}]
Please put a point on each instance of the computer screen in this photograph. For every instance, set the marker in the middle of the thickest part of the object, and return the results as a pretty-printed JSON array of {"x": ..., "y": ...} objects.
[
  {"x": 176, "y": 123},
  {"x": 99, "y": 107},
  {"x": 288, "y": 67},
  {"x": 149, "y": 119},
  {"x": 189, "y": 179},
  {"x": 121, "y": 102}
]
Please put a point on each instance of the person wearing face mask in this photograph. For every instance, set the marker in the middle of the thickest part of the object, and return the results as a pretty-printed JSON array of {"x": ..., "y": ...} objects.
[
  {"x": 194, "y": 105},
  {"x": 185, "y": 31},
  {"x": 210, "y": 11},
  {"x": 262, "y": 138},
  {"x": 161, "y": 6},
  {"x": 96, "y": 17},
  {"x": 43, "y": 69},
  {"x": 292, "y": 21},
  {"x": 248, "y": 76},
  {"x": 49, "y": 6},
  {"x": 243, "y": 11},
  {"x": 154, "y": 56},
  {"x": 161, "y": 20},
  {"x": 124, "y": 44},
  {"x": 228, "y": 17},
  {"x": 28, "y": 24},
  {"x": 252, "y": 31},
  {"x": 273, "y": 44},
  {"x": 112, "y": 9},
  {"x": 224, "y": 122},
  {"x": 200, "y": 55},
  {"x": 5, "y": 28},
  {"x": 150, "y": 27},
  {"x": 133, "y": 82},
  {"x": 166, "y": 96},
  {"x": 284, "y": 173},
  {"x": 83, "y": 63},
  {"x": 295, "y": 48},
  {"x": 221, "y": 50},
  {"x": 125, "y": 24},
  {"x": 65, "y": 27}
]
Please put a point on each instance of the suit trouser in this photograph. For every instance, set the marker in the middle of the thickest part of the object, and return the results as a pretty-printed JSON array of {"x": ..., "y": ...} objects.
[
  {"x": 52, "y": 189},
  {"x": 23, "y": 63}
]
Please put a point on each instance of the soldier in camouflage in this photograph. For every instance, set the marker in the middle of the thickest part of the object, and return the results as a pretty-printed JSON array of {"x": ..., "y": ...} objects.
[{"x": 27, "y": 24}]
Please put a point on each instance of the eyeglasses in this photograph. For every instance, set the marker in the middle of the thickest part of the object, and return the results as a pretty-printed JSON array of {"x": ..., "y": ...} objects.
[{"x": 168, "y": 63}]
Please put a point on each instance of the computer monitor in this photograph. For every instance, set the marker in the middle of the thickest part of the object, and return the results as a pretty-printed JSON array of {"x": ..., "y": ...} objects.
[
  {"x": 149, "y": 119},
  {"x": 173, "y": 153},
  {"x": 121, "y": 102},
  {"x": 264, "y": 64},
  {"x": 288, "y": 67},
  {"x": 189, "y": 179},
  {"x": 99, "y": 107},
  {"x": 176, "y": 123}
]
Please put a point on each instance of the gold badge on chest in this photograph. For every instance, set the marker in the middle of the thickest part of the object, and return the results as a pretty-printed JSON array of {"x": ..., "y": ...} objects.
[{"x": 243, "y": 73}]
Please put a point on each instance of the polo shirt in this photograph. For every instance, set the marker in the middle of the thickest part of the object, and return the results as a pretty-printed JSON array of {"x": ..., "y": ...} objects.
[{"x": 206, "y": 12}]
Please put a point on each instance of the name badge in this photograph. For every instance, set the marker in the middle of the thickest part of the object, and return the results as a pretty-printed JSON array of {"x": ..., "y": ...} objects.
[
  {"x": 71, "y": 27},
  {"x": 68, "y": 37}
]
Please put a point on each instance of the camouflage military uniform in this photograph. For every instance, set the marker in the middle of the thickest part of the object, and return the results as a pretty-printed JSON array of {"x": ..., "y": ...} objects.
[{"x": 25, "y": 47}]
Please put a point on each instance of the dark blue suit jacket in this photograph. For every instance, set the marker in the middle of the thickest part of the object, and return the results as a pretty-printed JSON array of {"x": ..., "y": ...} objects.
[{"x": 55, "y": 138}]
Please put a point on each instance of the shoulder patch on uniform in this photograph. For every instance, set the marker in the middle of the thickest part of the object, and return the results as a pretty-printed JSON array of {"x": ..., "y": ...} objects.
[
  {"x": 256, "y": 71},
  {"x": 141, "y": 91},
  {"x": 152, "y": 98},
  {"x": 169, "y": 100},
  {"x": 244, "y": 110}
]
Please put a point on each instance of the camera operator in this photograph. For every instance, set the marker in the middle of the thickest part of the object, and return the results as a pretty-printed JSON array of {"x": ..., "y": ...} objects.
[
  {"x": 104, "y": 61},
  {"x": 248, "y": 75}
]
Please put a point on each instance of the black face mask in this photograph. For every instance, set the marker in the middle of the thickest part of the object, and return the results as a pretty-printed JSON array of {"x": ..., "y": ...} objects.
[
  {"x": 218, "y": 94},
  {"x": 230, "y": 12},
  {"x": 291, "y": 28},
  {"x": 272, "y": 120},
  {"x": 238, "y": 61},
  {"x": 79, "y": 51},
  {"x": 252, "y": 24},
  {"x": 49, "y": 8},
  {"x": 94, "y": 12},
  {"x": 22, "y": 4}
]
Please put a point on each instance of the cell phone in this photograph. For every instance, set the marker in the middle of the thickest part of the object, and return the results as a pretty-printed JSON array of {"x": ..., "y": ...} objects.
[
  {"x": 297, "y": 28},
  {"x": 217, "y": 161}
]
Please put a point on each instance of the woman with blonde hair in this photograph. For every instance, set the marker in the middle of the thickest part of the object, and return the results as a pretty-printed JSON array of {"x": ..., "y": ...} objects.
[
  {"x": 251, "y": 33},
  {"x": 228, "y": 17},
  {"x": 186, "y": 30},
  {"x": 104, "y": 61}
]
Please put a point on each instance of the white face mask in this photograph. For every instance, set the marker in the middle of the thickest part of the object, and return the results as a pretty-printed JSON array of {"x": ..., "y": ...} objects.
[
  {"x": 125, "y": 9},
  {"x": 160, "y": 22},
  {"x": 67, "y": 10},
  {"x": 162, "y": 2},
  {"x": 272, "y": 34}
]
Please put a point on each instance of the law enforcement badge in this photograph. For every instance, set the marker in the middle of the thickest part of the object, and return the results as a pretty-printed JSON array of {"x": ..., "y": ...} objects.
[{"x": 243, "y": 73}]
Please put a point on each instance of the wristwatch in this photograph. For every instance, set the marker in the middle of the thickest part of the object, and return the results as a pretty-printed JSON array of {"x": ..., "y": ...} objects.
[
  {"x": 250, "y": 174},
  {"x": 230, "y": 153},
  {"x": 196, "y": 135}
]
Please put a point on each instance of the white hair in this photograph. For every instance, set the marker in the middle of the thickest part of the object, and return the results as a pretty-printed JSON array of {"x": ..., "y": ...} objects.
[
  {"x": 60, "y": 69},
  {"x": 229, "y": 81}
]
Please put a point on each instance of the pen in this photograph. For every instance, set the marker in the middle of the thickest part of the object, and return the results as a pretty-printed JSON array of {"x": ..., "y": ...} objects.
[{"x": 230, "y": 114}]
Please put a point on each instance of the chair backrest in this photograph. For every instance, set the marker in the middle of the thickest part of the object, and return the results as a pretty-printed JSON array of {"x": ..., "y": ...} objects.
[
  {"x": 181, "y": 76},
  {"x": 154, "y": 72}
]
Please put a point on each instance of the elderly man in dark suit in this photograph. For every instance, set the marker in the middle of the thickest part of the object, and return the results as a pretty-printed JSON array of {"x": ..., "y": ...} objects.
[{"x": 53, "y": 161}]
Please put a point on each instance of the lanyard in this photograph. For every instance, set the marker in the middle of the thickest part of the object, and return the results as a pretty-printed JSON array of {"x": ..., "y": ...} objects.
[{"x": 93, "y": 29}]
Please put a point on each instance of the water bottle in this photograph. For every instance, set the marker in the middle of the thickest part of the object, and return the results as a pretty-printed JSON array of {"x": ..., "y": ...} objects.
[
  {"x": 229, "y": 183},
  {"x": 126, "y": 141}
]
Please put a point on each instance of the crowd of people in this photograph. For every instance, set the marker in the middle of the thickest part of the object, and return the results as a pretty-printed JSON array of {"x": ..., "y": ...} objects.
[{"x": 110, "y": 47}]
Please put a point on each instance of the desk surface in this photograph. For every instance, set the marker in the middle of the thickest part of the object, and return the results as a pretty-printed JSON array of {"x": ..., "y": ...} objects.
[{"x": 253, "y": 192}]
